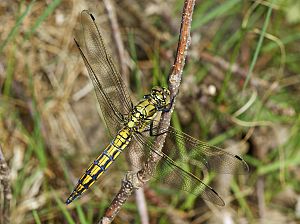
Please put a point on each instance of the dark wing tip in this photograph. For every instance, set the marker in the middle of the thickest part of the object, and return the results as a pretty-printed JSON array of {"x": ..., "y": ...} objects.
[
  {"x": 91, "y": 15},
  {"x": 87, "y": 12},
  {"x": 245, "y": 167},
  {"x": 219, "y": 200},
  {"x": 238, "y": 157},
  {"x": 214, "y": 191},
  {"x": 77, "y": 44}
]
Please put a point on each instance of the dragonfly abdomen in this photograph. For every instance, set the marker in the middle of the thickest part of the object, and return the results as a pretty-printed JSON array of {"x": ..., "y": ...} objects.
[{"x": 101, "y": 163}]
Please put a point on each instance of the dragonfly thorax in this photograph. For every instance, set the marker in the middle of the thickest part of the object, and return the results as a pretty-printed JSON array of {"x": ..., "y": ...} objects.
[
  {"x": 142, "y": 114},
  {"x": 160, "y": 97},
  {"x": 146, "y": 110}
]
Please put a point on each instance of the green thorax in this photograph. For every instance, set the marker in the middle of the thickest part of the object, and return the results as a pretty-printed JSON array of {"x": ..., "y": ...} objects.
[{"x": 146, "y": 110}]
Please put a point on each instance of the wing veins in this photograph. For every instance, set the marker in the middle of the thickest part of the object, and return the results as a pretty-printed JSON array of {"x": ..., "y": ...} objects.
[
  {"x": 207, "y": 154},
  {"x": 98, "y": 85},
  {"x": 208, "y": 193},
  {"x": 117, "y": 80}
]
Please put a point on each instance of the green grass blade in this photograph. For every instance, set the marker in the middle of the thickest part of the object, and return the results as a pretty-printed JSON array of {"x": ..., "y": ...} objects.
[
  {"x": 16, "y": 27},
  {"x": 10, "y": 71},
  {"x": 36, "y": 217},
  {"x": 38, "y": 140},
  {"x": 136, "y": 72},
  {"x": 259, "y": 45},
  {"x": 285, "y": 40},
  {"x": 277, "y": 165},
  {"x": 217, "y": 12},
  {"x": 81, "y": 215},
  {"x": 42, "y": 17},
  {"x": 242, "y": 201},
  {"x": 63, "y": 208}
]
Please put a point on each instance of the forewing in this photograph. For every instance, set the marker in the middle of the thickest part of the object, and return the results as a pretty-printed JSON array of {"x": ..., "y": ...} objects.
[
  {"x": 213, "y": 158},
  {"x": 187, "y": 150},
  {"x": 112, "y": 94}
]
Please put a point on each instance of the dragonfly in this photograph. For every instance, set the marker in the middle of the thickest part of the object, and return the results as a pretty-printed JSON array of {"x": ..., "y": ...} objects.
[{"x": 133, "y": 127}]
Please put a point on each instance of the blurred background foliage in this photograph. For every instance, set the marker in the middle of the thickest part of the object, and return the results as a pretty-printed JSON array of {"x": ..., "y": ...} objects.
[{"x": 240, "y": 90}]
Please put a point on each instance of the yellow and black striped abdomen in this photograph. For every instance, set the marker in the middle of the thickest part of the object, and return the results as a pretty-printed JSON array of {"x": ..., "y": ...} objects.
[{"x": 101, "y": 164}]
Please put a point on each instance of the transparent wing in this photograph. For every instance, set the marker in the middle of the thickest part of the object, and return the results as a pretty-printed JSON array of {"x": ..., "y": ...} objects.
[
  {"x": 198, "y": 153},
  {"x": 168, "y": 171},
  {"x": 192, "y": 157},
  {"x": 112, "y": 94},
  {"x": 186, "y": 149}
]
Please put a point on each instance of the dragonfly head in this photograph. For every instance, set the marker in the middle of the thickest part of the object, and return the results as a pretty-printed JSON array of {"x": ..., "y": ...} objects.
[{"x": 161, "y": 95}]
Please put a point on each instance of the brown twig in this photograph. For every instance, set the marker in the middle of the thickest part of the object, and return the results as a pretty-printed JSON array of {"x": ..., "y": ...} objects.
[
  {"x": 135, "y": 180},
  {"x": 4, "y": 180}
]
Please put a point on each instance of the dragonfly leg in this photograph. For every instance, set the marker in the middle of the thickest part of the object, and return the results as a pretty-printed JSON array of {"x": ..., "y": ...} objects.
[
  {"x": 171, "y": 103},
  {"x": 152, "y": 128}
]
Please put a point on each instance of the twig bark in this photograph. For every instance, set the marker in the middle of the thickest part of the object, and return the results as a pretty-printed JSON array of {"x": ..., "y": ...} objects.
[
  {"x": 4, "y": 181},
  {"x": 135, "y": 180}
]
